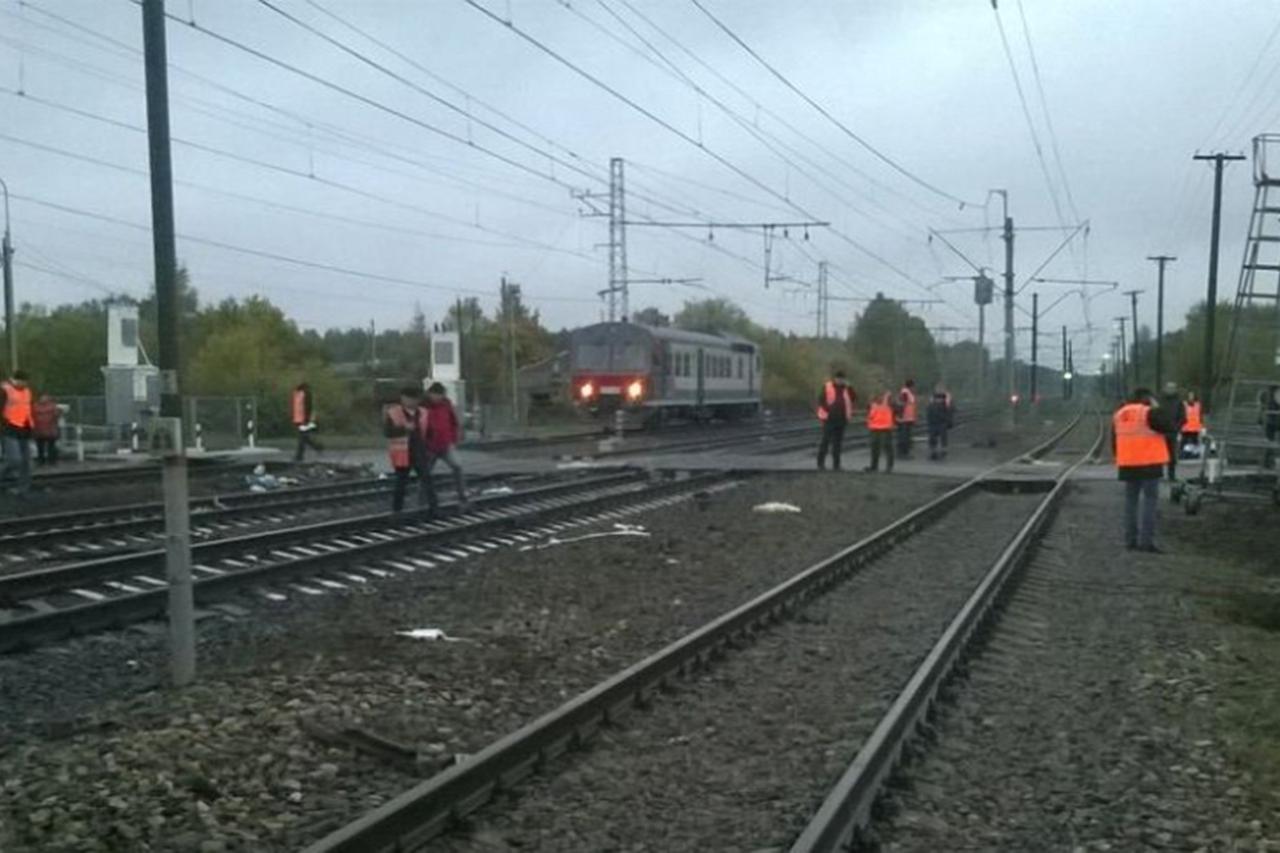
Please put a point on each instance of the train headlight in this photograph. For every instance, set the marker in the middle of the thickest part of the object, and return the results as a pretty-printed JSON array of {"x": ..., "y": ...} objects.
[
  {"x": 586, "y": 390},
  {"x": 634, "y": 390}
]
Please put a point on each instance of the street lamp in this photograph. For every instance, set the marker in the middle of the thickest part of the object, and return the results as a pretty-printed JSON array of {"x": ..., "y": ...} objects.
[{"x": 6, "y": 250}]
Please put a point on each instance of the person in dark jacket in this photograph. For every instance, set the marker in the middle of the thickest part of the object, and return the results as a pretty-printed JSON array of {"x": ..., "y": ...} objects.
[
  {"x": 44, "y": 428},
  {"x": 1174, "y": 413},
  {"x": 443, "y": 437},
  {"x": 835, "y": 410},
  {"x": 406, "y": 426},
  {"x": 939, "y": 417}
]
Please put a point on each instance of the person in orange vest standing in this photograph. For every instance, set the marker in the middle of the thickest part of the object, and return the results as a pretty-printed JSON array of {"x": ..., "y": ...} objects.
[
  {"x": 44, "y": 427},
  {"x": 906, "y": 418},
  {"x": 406, "y": 426},
  {"x": 302, "y": 413},
  {"x": 1193, "y": 427},
  {"x": 16, "y": 431},
  {"x": 880, "y": 425},
  {"x": 835, "y": 410},
  {"x": 1138, "y": 431}
]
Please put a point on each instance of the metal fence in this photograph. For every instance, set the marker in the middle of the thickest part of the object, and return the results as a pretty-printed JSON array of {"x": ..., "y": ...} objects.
[{"x": 210, "y": 423}]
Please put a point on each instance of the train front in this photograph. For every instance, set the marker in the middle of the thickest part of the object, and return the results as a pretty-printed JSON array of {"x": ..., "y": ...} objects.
[{"x": 611, "y": 367}]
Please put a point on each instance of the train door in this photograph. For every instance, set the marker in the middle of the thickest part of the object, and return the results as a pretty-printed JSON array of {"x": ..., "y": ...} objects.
[{"x": 701, "y": 394}]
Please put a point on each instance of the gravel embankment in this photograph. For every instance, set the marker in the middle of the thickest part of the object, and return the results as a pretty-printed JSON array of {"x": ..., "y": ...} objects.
[
  {"x": 87, "y": 762},
  {"x": 738, "y": 758},
  {"x": 1111, "y": 709}
]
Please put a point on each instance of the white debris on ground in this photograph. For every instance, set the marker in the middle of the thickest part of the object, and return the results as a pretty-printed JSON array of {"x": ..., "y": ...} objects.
[
  {"x": 775, "y": 506},
  {"x": 498, "y": 490},
  {"x": 428, "y": 634},
  {"x": 619, "y": 529}
]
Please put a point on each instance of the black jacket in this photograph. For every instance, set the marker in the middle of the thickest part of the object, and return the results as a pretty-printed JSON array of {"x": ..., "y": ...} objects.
[
  {"x": 836, "y": 411},
  {"x": 1175, "y": 413},
  {"x": 939, "y": 414}
]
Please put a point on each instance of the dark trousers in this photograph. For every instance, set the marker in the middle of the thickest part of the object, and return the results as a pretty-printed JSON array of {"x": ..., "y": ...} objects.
[
  {"x": 1171, "y": 441},
  {"x": 833, "y": 440},
  {"x": 46, "y": 451},
  {"x": 1140, "y": 522},
  {"x": 937, "y": 442},
  {"x": 450, "y": 457},
  {"x": 905, "y": 429},
  {"x": 426, "y": 489},
  {"x": 881, "y": 443},
  {"x": 305, "y": 440},
  {"x": 17, "y": 462}
]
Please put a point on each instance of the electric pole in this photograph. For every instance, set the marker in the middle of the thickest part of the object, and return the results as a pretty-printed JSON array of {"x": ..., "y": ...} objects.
[
  {"x": 1210, "y": 309},
  {"x": 168, "y": 439},
  {"x": 1124, "y": 351},
  {"x": 1035, "y": 344},
  {"x": 510, "y": 297},
  {"x": 1066, "y": 369},
  {"x": 1161, "y": 260},
  {"x": 1008, "y": 303},
  {"x": 1137, "y": 337},
  {"x": 617, "y": 242},
  {"x": 6, "y": 260},
  {"x": 824, "y": 301}
]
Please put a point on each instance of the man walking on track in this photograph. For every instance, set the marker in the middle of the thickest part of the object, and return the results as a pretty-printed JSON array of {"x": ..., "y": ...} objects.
[
  {"x": 1141, "y": 452},
  {"x": 443, "y": 436},
  {"x": 17, "y": 415},
  {"x": 880, "y": 426},
  {"x": 835, "y": 410},
  {"x": 939, "y": 417},
  {"x": 303, "y": 421},
  {"x": 907, "y": 418},
  {"x": 406, "y": 428}
]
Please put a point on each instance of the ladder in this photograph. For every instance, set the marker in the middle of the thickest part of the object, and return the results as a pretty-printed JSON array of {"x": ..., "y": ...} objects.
[{"x": 1251, "y": 368}]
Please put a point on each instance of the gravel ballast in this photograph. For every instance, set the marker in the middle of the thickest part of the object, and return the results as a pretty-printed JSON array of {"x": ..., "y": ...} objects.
[
  {"x": 1105, "y": 714},
  {"x": 90, "y": 763}
]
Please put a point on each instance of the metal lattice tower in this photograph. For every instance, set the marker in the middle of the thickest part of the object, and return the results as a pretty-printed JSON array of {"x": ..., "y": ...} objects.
[
  {"x": 617, "y": 243},
  {"x": 824, "y": 302},
  {"x": 1251, "y": 367}
]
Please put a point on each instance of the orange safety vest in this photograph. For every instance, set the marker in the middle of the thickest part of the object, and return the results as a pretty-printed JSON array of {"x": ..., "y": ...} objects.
[
  {"x": 299, "y": 407},
  {"x": 1137, "y": 444},
  {"x": 830, "y": 392},
  {"x": 398, "y": 446},
  {"x": 17, "y": 406},
  {"x": 879, "y": 415},
  {"x": 908, "y": 405},
  {"x": 1194, "y": 423}
]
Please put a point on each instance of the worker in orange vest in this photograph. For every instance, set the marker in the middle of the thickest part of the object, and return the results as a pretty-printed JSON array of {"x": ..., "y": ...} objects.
[
  {"x": 302, "y": 414},
  {"x": 406, "y": 426},
  {"x": 1193, "y": 427},
  {"x": 880, "y": 425},
  {"x": 16, "y": 430},
  {"x": 1138, "y": 442},
  {"x": 906, "y": 417},
  {"x": 835, "y": 410}
]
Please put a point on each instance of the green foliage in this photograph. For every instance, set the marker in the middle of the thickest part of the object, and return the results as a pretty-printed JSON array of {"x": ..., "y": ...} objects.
[
  {"x": 887, "y": 336},
  {"x": 651, "y": 317},
  {"x": 717, "y": 316}
]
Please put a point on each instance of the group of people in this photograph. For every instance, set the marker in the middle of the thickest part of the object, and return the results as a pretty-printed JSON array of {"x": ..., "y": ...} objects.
[
  {"x": 891, "y": 421},
  {"x": 421, "y": 430},
  {"x": 26, "y": 419}
]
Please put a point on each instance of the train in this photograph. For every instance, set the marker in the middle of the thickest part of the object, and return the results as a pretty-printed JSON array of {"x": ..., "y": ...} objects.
[{"x": 653, "y": 374}]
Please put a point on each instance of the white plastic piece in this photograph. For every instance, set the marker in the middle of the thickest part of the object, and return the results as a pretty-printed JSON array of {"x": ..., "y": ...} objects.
[{"x": 775, "y": 506}]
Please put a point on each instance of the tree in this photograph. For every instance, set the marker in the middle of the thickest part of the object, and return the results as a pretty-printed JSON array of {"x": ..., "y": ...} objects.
[
  {"x": 651, "y": 317},
  {"x": 887, "y": 335},
  {"x": 715, "y": 316}
]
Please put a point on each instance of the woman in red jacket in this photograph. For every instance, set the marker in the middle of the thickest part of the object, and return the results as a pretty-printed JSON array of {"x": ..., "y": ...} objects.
[
  {"x": 443, "y": 436},
  {"x": 44, "y": 429}
]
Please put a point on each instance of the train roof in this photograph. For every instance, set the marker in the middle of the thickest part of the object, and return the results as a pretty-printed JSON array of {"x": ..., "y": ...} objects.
[{"x": 664, "y": 333}]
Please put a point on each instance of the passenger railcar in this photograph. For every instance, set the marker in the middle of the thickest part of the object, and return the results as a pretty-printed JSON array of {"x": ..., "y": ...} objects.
[{"x": 654, "y": 373}]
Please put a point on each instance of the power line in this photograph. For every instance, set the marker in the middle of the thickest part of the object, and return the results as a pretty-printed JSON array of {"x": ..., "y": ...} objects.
[
  {"x": 880, "y": 155},
  {"x": 1048, "y": 120}
]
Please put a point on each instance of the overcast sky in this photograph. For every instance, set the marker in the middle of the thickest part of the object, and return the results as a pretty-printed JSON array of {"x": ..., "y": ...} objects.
[{"x": 458, "y": 163}]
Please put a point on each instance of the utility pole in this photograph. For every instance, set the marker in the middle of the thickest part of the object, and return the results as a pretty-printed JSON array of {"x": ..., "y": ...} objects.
[
  {"x": 1071, "y": 367},
  {"x": 1124, "y": 351},
  {"x": 824, "y": 301},
  {"x": 182, "y": 646},
  {"x": 1210, "y": 309},
  {"x": 1066, "y": 368},
  {"x": 463, "y": 361},
  {"x": 1161, "y": 260},
  {"x": 510, "y": 297},
  {"x": 1035, "y": 345},
  {"x": 617, "y": 242},
  {"x": 1008, "y": 304},
  {"x": 1137, "y": 337},
  {"x": 6, "y": 260}
]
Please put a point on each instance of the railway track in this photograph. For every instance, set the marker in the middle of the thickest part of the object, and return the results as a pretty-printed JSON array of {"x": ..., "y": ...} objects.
[
  {"x": 431, "y": 808},
  {"x": 46, "y": 605}
]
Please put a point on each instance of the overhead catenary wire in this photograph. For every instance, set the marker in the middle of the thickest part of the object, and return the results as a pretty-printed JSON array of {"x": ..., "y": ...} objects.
[{"x": 1048, "y": 118}]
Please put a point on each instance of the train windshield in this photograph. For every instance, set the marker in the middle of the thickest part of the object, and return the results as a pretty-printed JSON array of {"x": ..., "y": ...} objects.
[{"x": 611, "y": 357}]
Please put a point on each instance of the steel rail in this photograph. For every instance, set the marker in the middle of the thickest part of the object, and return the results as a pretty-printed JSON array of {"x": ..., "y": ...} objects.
[
  {"x": 847, "y": 809},
  {"x": 411, "y": 819},
  {"x": 55, "y": 624},
  {"x": 26, "y": 585}
]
